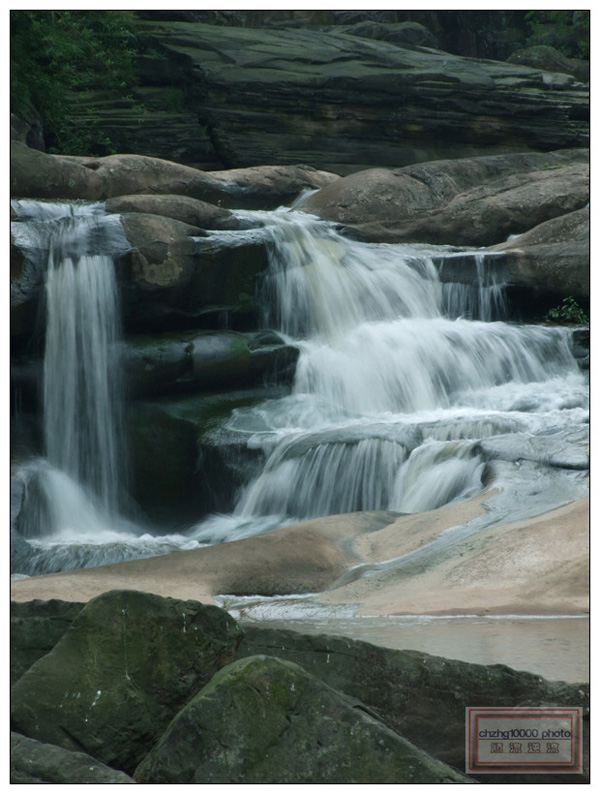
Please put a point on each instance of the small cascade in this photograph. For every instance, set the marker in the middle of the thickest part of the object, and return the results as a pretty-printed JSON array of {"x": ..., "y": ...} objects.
[
  {"x": 77, "y": 487},
  {"x": 482, "y": 299},
  {"x": 399, "y": 377}
]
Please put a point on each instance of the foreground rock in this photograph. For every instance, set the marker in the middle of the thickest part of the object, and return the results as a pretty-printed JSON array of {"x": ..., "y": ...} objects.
[
  {"x": 421, "y": 697},
  {"x": 35, "y": 628},
  {"x": 36, "y": 762},
  {"x": 478, "y": 202},
  {"x": 126, "y": 664},
  {"x": 35, "y": 174},
  {"x": 263, "y": 720}
]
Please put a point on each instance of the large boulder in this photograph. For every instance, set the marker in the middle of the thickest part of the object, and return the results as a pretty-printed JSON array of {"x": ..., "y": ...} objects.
[
  {"x": 410, "y": 691},
  {"x": 553, "y": 258},
  {"x": 35, "y": 174},
  {"x": 194, "y": 212},
  {"x": 36, "y": 762},
  {"x": 264, "y": 720},
  {"x": 476, "y": 202},
  {"x": 128, "y": 662},
  {"x": 343, "y": 102},
  {"x": 172, "y": 277}
]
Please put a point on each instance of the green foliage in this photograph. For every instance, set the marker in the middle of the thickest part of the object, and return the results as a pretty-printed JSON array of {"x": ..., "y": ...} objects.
[
  {"x": 568, "y": 312},
  {"x": 567, "y": 31},
  {"x": 55, "y": 53}
]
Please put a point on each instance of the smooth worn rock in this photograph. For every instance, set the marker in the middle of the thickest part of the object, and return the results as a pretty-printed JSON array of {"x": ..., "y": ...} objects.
[
  {"x": 264, "y": 720},
  {"x": 188, "y": 210},
  {"x": 343, "y": 102},
  {"x": 35, "y": 628},
  {"x": 551, "y": 260},
  {"x": 36, "y": 762},
  {"x": 420, "y": 696},
  {"x": 114, "y": 680},
  {"x": 49, "y": 176},
  {"x": 477, "y": 201}
]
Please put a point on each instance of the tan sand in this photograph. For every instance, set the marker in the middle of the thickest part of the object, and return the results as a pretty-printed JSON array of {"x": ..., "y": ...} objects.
[{"x": 531, "y": 567}]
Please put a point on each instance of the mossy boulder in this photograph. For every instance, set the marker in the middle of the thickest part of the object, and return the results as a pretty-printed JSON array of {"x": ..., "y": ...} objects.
[
  {"x": 129, "y": 661},
  {"x": 423, "y": 697},
  {"x": 35, "y": 628},
  {"x": 264, "y": 720},
  {"x": 188, "y": 210},
  {"x": 36, "y": 762}
]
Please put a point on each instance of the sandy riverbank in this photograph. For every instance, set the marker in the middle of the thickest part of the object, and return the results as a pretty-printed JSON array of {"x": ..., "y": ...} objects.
[{"x": 538, "y": 566}]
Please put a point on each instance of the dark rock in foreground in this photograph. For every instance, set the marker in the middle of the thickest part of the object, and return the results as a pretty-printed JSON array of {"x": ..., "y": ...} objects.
[
  {"x": 36, "y": 762},
  {"x": 114, "y": 680},
  {"x": 264, "y": 720},
  {"x": 419, "y": 696},
  {"x": 35, "y": 628}
]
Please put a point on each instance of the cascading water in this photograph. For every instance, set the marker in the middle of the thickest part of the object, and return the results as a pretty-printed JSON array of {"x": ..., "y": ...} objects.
[
  {"x": 408, "y": 395},
  {"x": 73, "y": 511},
  {"x": 396, "y": 384}
]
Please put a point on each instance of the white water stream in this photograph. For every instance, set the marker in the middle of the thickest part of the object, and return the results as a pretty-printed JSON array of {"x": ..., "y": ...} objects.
[{"x": 408, "y": 395}]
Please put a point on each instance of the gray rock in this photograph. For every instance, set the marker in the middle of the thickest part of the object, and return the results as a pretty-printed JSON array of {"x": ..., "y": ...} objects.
[
  {"x": 478, "y": 201},
  {"x": 205, "y": 360},
  {"x": 344, "y": 103},
  {"x": 174, "y": 278},
  {"x": 36, "y": 762},
  {"x": 188, "y": 210},
  {"x": 38, "y": 175},
  {"x": 264, "y": 720},
  {"x": 126, "y": 664},
  {"x": 184, "y": 464},
  {"x": 552, "y": 260}
]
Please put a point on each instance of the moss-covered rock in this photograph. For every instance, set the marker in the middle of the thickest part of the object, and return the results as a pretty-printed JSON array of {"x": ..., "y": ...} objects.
[
  {"x": 420, "y": 696},
  {"x": 114, "y": 680},
  {"x": 264, "y": 720},
  {"x": 36, "y": 762},
  {"x": 35, "y": 628}
]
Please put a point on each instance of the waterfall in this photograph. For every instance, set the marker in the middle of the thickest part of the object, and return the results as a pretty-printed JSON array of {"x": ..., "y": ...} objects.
[
  {"x": 399, "y": 378},
  {"x": 83, "y": 473},
  {"x": 400, "y": 384}
]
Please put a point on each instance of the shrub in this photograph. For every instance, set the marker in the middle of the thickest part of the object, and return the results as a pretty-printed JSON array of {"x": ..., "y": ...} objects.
[{"x": 567, "y": 312}]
